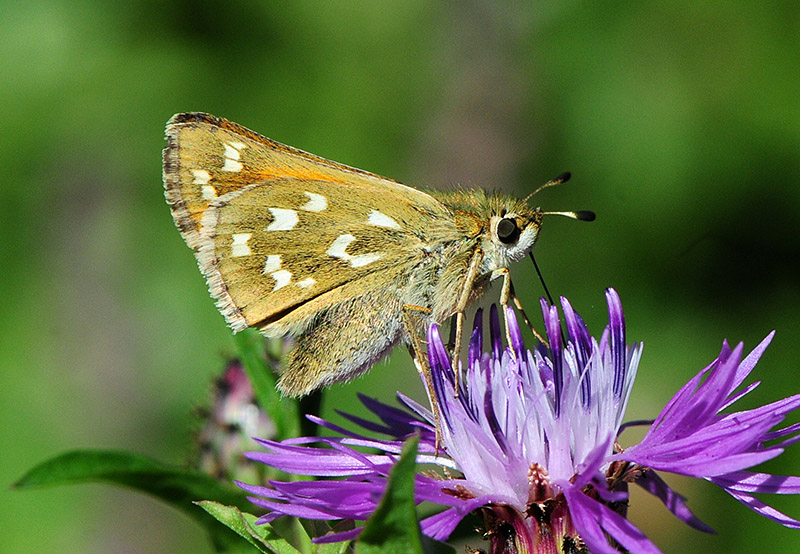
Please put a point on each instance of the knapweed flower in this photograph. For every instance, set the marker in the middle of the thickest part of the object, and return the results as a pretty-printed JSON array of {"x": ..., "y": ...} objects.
[{"x": 529, "y": 441}]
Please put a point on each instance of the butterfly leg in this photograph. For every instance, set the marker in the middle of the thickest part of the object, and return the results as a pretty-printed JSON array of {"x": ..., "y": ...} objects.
[
  {"x": 419, "y": 353},
  {"x": 505, "y": 298},
  {"x": 461, "y": 307},
  {"x": 418, "y": 346},
  {"x": 507, "y": 295},
  {"x": 527, "y": 321}
]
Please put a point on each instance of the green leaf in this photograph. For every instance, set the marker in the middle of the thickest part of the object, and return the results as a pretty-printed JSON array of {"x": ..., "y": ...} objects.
[
  {"x": 176, "y": 486},
  {"x": 393, "y": 528},
  {"x": 332, "y": 547},
  {"x": 263, "y": 537},
  {"x": 282, "y": 411}
]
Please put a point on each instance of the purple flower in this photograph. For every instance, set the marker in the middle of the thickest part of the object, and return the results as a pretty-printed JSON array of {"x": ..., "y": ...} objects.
[{"x": 529, "y": 442}]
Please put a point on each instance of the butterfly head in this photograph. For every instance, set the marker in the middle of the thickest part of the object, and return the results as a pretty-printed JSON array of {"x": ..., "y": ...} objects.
[
  {"x": 513, "y": 231},
  {"x": 514, "y": 226}
]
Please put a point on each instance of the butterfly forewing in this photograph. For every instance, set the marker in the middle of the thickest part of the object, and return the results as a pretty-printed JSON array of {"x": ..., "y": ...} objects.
[
  {"x": 275, "y": 234},
  {"x": 277, "y": 260}
]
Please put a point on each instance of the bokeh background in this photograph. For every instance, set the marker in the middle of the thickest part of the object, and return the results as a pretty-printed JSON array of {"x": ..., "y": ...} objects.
[{"x": 680, "y": 122}]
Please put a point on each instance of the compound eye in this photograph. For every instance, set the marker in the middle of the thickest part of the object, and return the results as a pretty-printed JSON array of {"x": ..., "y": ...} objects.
[{"x": 507, "y": 230}]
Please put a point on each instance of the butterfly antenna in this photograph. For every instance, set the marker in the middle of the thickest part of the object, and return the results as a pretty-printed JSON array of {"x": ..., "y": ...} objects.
[
  {"x": 541, "y": 278},
  {"x": 563, "y": 178},
  {"x": 580, "y": 215}
]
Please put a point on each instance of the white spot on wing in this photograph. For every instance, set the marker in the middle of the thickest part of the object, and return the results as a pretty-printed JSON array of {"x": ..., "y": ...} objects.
[
  {"x": 284, "y": 220},
  {"x": 201, "y": 176},
  {"x": 380, "y": 219},
  {"x": 282, "y": 278},
  {"x": 316, "y": 203},
  {"x": 272, "y": 264},
  {"x": 361, "y": 260},
  {"x": 239, "y": 246},
  {"x": 232, "y": 155},
  {"x": 232, "y": 165},
  {"x": 307, "y": 283},
  {"x": 209, "y": 192},
  {"x": 231, "y": 152},
  {"x": 338, "y": 250}
]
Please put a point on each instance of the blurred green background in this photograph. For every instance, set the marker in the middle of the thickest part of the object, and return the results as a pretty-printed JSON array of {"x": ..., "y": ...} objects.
[{"x": 680, "y": 122}]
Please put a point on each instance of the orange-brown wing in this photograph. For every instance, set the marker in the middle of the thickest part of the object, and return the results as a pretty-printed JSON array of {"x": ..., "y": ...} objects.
[{"x": 275, "y": 229}]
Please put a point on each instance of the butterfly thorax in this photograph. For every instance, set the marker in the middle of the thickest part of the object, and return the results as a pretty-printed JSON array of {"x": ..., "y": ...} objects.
[{"x": 473, "y": 228}]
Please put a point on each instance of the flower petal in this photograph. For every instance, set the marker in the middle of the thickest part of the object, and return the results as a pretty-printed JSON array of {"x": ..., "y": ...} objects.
[
  {"x": 765, "y": 510},
  {"x": 674, "y": 502},
  {"x": 591, "y": 518}
]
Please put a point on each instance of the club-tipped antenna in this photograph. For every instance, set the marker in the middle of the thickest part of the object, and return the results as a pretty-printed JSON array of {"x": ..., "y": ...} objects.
[
  {"x": 563, "y": 178},
  {"x": 580, "y": 215},
  {"x": 541, "y": 278}
]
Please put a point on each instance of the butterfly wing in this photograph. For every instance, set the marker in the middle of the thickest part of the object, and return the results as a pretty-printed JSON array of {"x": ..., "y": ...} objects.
[{"x": 281, "y": 234}]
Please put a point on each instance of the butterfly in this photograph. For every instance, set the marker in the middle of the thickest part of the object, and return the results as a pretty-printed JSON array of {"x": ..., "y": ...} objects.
[{"x": 347, "y": 262}]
